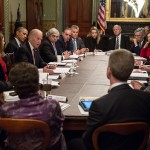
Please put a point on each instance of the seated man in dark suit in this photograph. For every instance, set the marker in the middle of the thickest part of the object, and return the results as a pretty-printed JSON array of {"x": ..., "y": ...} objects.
[
  {"x": 64, "y": 42},
  {"x": 139, "y": 41},
  {"x": 17, "y": 41},
  {"x": 121, "y": 104},
  {"x": 48, "y": 48},
  {"x": 30, "y": 53},
  {"x": 119, "y": 41},
  {"x": 78, "y": 45}
]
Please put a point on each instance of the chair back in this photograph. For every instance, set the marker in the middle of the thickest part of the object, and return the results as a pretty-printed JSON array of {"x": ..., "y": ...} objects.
[
  {"x": 23, "y": 125},
  {"x": 122, "y": 129}
]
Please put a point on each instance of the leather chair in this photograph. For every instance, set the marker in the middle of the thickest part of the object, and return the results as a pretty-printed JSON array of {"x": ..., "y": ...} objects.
[
  {"x": 24, "y": 125},
  {"x": 122, "y": 129}
]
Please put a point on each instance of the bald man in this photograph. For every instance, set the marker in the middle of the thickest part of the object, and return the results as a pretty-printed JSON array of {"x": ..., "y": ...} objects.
[
  {"x": 118, "y": 40},
  {"x": 30, "y": 53}
]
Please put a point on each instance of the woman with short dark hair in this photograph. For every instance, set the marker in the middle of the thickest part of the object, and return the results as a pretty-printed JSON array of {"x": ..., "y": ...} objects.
[{"x": 25, "y": 78}]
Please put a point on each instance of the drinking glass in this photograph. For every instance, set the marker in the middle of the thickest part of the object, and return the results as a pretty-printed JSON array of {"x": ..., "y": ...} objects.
[{"x": 47, "y": 86}]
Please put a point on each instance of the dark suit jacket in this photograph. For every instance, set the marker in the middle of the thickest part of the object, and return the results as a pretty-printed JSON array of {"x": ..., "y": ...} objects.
[
  {"x": 122, "y": 104},
  {"x": 91, "y": 43},
  {"x": 124, "y": 43},
  {"x": 47, "y": 51},
  {"x": 62, "y": 46},
  {"x": 24, "y": 54},
  {"x": 4, "y": 86},
  {"x": 12, "y": 46},
  {"x": 137, "y": 49}
]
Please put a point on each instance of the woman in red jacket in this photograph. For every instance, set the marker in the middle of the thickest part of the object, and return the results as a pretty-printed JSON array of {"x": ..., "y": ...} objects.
[{"x": 145, "y": 51}]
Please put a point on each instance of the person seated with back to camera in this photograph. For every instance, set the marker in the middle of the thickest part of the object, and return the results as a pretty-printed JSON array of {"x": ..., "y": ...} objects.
[
  {"x": 78, "y": 44},
  {"x": 48, "y": 48},
  {"x": 95, "y": 41},
  {"x": 30, "y": 52},
  {"x": 25, "y": 78},
  {"x": 121, "y": 104}
]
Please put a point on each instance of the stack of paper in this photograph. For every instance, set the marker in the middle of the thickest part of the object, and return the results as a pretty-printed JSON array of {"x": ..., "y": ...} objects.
[
  {"x": 58, "y": 98},
  {"x": 8, "y": 97},
  {"x": 61, "y": 70},
  {"x": 57, "y": 63},
  {"x": 63, "y": 105},
  {"x": 138, "y": 76}
]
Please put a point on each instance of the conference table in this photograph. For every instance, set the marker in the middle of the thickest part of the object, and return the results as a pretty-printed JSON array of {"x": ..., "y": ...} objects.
[{"x": 91, "y": 81}]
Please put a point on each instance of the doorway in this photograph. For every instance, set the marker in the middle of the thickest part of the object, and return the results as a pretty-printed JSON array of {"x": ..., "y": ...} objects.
[{"x": 79, "y": 12}]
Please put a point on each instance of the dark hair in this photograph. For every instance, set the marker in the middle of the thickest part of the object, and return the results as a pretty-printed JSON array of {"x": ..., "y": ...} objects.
[
  {"x": 25, "y": 78},
  {"x": 121, "y": 63},
  {"x": 1, "y": 44}
]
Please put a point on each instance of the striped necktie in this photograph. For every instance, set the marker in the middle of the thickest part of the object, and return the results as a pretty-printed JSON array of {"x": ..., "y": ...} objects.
[
  {"x": 55, "y": 50},
  {"x": 117, "y": 43},
  {"x": 74, "y": 44}
]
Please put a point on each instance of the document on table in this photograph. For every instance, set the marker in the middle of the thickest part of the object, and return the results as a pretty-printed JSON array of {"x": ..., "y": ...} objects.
[
  {"x": 85, "y": 113},
  {"x": 58, "y": 98},
  {"x": 74, "y": 56},
  {"x": 138, "y": 76},
  {"x": 9, "y": 98},
  {"x": 53, "y": 77},
  {"x": 64, "y": 106},
  {"x": 69, "y": 61},
  {"x": 61, "y": 70},
  {"x": 100, "y": 53},
  {"x": 140, "y": 58},
  {"x": 57, "y": 63},
  {"x": 43, "y": 75}
]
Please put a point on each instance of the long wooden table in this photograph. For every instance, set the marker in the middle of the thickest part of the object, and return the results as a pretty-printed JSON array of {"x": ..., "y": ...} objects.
[{"x": 91, "y": 81}]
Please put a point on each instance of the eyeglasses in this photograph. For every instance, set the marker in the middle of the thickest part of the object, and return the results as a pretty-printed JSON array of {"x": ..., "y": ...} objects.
[
  {"x": 56, "y": 36},
  {"x": 137, "y": 35}
]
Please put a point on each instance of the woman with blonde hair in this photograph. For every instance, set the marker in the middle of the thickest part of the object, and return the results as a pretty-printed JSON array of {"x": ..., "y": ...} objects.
[{"x": 95, "y": 41}]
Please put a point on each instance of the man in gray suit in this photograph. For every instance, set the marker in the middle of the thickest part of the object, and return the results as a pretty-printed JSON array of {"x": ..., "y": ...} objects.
[{"x": 78, "y": 45}]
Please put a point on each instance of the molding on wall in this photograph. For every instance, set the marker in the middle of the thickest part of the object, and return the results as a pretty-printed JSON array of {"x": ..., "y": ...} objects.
[
  {"x": 12, "y": 26},
  {"x": 47, "y": 24},
  {"x": 6, "y": 20}
]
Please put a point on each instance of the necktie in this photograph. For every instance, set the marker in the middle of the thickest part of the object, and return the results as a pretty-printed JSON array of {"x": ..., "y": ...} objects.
[
  {"x": 55, "y": 50},
  {"x": 139, "y": 44},
  {"x": 34, "y": 56},
  {"x": 117, "y": 43},
  {"x": 74, "y": 44}
]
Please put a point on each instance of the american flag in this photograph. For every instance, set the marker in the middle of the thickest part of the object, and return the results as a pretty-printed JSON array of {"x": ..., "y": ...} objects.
[{"x": 102, "y": 15}]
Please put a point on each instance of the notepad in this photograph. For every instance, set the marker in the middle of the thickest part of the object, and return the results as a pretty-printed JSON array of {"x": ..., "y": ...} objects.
[
  {"x": 61, "y": 70},
  {"x": 58, "y": 98},
  {"x": 57, "y": 63},
  {"x": 9, "y": 98},
  {"x": 64, "y": 106}
]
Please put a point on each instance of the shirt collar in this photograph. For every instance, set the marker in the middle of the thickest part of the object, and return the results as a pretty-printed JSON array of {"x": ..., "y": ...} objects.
[
  {"x": 117, "y": 84},
  {"x": 18, "y": 42},
  {"x": 31, "y": 46}
]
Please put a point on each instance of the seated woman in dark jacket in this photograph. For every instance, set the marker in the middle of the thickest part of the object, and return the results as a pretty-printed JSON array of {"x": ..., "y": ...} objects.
[{"x": 95, "y": 41}]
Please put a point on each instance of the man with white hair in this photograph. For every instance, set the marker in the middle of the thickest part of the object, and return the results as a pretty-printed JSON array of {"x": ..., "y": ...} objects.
[
  {"x": 48, "y": 49},
  {"x": 138, "y": 41}
]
